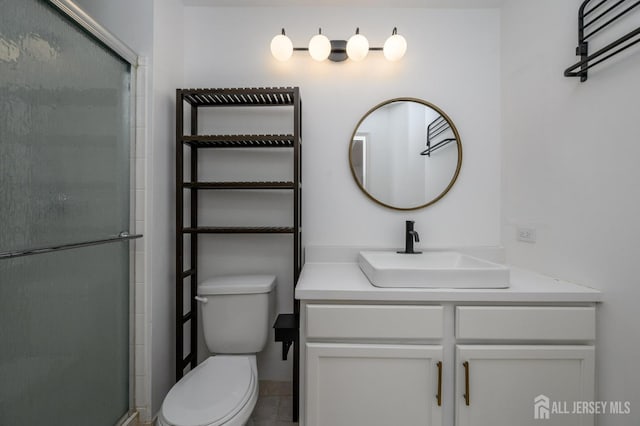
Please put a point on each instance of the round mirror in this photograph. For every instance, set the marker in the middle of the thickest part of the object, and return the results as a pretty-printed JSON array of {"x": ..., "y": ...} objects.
[{"x": 405, "y": 153}]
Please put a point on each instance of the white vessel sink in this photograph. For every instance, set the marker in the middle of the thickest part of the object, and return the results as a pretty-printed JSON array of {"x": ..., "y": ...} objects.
[{"x": 431, "y": 269}]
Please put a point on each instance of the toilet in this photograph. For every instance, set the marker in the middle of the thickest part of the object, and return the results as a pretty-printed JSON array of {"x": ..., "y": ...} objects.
[{"x": 223, "y": 390}]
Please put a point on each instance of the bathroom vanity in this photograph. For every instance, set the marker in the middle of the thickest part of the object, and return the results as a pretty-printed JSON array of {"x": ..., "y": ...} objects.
[{"x": 438, "y": 356}]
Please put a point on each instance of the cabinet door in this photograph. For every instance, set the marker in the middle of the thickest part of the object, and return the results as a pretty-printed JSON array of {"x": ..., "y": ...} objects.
[
  {"x": 372, "y": 384},
  {"x": 520, "y": 385}
]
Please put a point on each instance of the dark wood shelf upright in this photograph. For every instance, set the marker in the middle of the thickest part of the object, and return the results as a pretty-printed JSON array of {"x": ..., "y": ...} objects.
[{"x": 193, "y": 99}]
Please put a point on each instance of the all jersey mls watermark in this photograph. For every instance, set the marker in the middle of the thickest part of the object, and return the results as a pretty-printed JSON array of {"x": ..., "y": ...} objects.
[{"x": 544, "y": 408}]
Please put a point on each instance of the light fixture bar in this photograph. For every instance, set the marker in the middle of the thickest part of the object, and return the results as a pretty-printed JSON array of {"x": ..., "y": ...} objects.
[{"x": 356, "y": 48}]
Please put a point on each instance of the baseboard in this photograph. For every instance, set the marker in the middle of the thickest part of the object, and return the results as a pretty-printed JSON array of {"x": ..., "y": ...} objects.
[{"x": 134, "y": 420}]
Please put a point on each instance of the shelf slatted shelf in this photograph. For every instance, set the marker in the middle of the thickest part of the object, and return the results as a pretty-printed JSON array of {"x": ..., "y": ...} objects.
[
  {"x": 241, "y": 97},
  {"x": 239, "y": 141},
  {"x": 239, "y": 230},
  {"x": 240, "y": 185}
]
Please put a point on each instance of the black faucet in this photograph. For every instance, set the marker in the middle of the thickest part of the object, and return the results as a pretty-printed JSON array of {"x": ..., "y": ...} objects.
[{"x": 410, "y": 236}]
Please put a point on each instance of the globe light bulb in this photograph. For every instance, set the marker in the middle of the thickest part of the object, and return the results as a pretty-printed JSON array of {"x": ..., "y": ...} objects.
[
  {"x": 357, "y": 46},
  {"x": 281, "y": 47},
  {"x": 395, "y": 46},
  {"x": 319, "y": 46}
]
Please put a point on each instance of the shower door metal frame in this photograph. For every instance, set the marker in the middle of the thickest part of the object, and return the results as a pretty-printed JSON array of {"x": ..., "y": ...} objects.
[{"x": 81, "y": 18}]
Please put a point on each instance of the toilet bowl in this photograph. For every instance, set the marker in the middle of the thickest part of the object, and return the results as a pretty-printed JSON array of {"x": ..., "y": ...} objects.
[{"x": 222, "y": 390}]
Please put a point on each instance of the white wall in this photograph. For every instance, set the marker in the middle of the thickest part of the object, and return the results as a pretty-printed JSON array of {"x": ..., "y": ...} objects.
[
  {"x": 452, "y": 61},
  {"x": 571, "y": 171},
  {"x": 168, "y": 59}
]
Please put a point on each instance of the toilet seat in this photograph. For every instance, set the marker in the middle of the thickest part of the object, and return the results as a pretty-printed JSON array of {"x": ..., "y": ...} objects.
[{"x": 213, "y": 393}]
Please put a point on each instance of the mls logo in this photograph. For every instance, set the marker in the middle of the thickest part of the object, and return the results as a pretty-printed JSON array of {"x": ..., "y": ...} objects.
[{"x": 541, "y": 407}]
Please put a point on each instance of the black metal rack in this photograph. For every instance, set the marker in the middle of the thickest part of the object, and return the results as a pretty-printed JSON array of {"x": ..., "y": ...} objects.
[
  {"x": 436, "y": 128},
  {"x": 592, "y": 19},
  {"x": 287, "y": 324}
]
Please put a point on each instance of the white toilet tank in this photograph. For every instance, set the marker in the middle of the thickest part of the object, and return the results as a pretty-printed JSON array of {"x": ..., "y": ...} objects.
[{"x": 238, "y": 312}]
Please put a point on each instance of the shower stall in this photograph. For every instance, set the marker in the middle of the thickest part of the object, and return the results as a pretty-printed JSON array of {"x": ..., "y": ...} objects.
[{"x": 66, "y": 211}]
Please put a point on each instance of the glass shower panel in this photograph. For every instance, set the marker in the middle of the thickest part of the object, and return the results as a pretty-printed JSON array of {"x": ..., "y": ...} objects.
[
  {"x": 65, "y": 115},
  {"x": 64, "y": 328},
  {"x": 65, "y": 125}
]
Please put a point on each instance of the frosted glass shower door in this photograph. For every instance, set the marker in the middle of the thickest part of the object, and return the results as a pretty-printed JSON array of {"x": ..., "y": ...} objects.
[{"x": 65, "y": 120}]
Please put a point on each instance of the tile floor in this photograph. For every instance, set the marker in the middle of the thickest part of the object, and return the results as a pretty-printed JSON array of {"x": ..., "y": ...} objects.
[{"x": 274, "y": 405}]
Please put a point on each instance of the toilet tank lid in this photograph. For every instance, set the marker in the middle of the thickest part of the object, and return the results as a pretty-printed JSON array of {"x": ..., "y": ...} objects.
[{"x": 237, "y": 284}]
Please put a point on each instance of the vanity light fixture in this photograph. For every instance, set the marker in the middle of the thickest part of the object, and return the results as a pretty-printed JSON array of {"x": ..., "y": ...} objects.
[
  {"x": 357, "y": 46},
  {"x": 281, "y": 47},
  {"x": 319, "y": 46},
  {"x": 395, "y": 46},
  {"x": 356, "y": 49}
]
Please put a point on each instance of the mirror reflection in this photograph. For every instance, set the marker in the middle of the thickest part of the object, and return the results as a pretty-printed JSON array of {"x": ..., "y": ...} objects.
[{"x": 405, "y": 153}]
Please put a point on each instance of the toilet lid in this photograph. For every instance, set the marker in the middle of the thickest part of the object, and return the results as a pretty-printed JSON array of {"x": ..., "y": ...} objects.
[{"x": 211, "y": 393}]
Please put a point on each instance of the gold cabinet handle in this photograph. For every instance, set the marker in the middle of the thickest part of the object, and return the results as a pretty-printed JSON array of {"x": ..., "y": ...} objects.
[
  {"x": 439, "y": 395},
  {"x": 466, "y": 382}
]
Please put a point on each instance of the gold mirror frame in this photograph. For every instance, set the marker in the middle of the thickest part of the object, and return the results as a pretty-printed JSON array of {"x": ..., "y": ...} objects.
[{"x": 458, "y": 143}]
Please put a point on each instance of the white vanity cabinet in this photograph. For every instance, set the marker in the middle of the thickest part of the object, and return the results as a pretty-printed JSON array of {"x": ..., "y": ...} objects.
[
  {"x": 372, "y": 365},
  {"x": 376, "y": 363},
  {"x": 500, "y": 383},
  {"x": 372, "y": 384}
]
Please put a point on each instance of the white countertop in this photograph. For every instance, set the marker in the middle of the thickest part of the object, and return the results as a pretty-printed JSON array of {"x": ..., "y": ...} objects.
[{"x": 345, "y": 281}]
